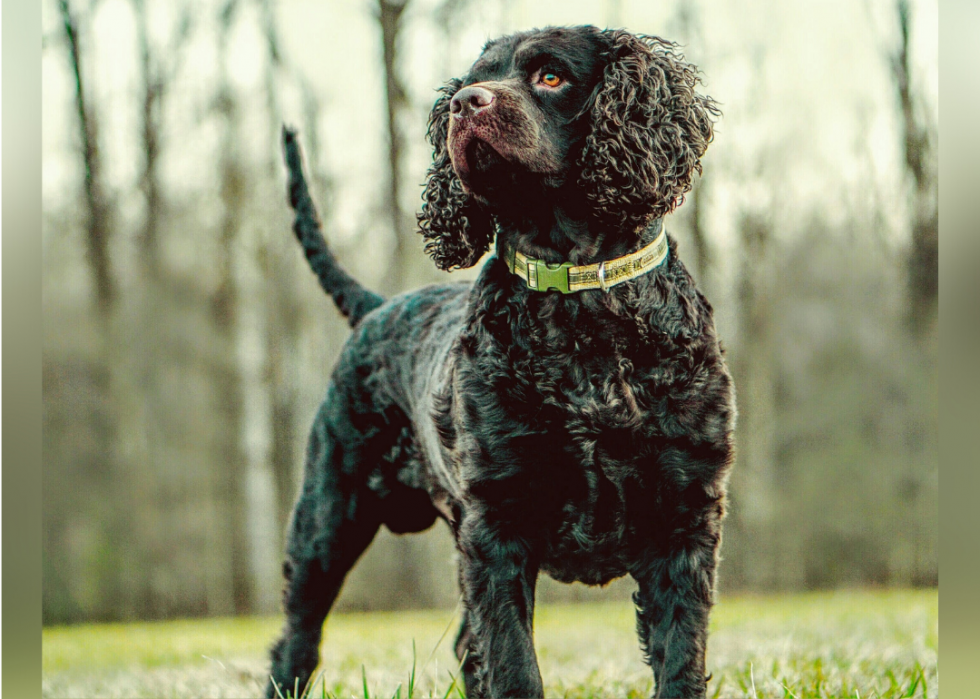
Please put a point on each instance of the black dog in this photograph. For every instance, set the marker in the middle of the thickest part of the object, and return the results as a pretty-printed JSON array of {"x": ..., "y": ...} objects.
[{"x": 585, "y": 434}]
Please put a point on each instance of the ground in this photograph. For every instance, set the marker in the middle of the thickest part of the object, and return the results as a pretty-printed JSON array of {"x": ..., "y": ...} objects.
[{"x": 857, "y": 644}]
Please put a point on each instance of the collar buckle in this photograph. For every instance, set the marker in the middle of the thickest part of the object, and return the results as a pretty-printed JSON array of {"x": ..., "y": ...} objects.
[{"x": 541, "y": 276}]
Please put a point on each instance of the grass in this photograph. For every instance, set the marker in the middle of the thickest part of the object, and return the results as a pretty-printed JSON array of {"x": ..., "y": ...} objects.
[{"x": 861, "y": 645}]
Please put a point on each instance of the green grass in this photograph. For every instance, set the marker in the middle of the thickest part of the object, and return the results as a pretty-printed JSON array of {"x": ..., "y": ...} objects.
[{"x": 846, "y": 644}]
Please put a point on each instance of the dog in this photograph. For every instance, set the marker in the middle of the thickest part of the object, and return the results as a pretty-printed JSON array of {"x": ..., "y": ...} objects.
[{"x": 570, "y": 412}]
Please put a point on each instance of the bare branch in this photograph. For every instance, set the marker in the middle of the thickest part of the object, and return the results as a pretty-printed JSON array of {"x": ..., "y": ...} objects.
[{"x": 97, "y": 225}]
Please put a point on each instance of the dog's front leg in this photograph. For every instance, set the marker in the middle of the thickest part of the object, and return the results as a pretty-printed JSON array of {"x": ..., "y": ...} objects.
[
  {"x": 672, "y": 606},
  {"x": 498, "y": 576}
]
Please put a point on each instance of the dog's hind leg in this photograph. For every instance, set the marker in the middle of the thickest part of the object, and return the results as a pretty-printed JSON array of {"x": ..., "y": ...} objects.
[{"x": 334, "y": 520}]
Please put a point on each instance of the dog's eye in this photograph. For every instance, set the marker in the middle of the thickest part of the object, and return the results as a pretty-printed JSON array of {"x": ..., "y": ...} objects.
[{"x": 550, "y": 79}]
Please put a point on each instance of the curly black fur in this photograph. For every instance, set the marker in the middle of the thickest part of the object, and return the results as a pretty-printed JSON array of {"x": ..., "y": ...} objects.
[
  {"x": 587, "y": 435},
  {"x": 455, "y": 226},
  {"x": 353, "y": 300},
  {"x": 650, "y": 130},
  {"x": 647, "y": 129}
]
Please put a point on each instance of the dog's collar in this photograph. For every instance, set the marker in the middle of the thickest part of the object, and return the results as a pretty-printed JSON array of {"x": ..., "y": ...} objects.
[{"x": 568, "y": 278}]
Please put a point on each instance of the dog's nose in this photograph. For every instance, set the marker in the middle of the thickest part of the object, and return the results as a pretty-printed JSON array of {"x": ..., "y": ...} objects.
[{"x": 470, "y": 100}]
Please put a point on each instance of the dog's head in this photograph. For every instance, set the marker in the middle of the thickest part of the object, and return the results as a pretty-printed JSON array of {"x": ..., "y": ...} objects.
[{"x": 605, "y": 122}]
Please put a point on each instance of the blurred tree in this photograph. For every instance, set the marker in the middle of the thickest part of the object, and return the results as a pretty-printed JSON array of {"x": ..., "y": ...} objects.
[
  {"x": 614, "y": 13},
  {"x": 158, "y": 70},
  {"x": 112, "y": 528},
  {"x": 231, "y": 496},
  {"x": 151, "y": 299},
  {"x": 390, "y": 16},
  {"x": 685, "y": 27},
  {"x": 279, "y": 260},
  {"x": 449, "y": 16},
  {"x": 171, "y": 389},
  {"x": 753, "y": 365},
  {"x": 920, "y": 473},
  {"x": 919, "y": 136},
  {"x": 98, "y": 224}
]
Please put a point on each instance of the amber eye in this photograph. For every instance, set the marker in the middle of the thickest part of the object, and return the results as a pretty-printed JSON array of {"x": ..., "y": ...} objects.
[{"x": 550, "y": 79}]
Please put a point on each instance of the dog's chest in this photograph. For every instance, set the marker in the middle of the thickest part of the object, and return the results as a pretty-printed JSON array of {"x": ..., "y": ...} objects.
[
  {"x": 587, "y": 542},
  {"x": 582, "y": 406},
  {"x": 609, "y": 434}
]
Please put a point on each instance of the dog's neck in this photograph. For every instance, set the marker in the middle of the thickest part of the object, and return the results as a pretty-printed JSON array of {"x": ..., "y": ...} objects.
[{"x": 558, "y": 234}]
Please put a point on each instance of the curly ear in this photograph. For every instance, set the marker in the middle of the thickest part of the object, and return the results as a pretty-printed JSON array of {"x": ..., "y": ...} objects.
[
  {"x": 456, "y": 227},
  {"x": 649, "y": 131}
]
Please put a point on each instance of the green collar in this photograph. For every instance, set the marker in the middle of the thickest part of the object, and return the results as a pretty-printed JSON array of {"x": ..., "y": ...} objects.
[{"x": 568, "y": 278}]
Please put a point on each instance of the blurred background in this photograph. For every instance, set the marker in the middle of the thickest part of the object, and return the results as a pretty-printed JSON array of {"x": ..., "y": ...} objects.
[{"x": 187, "y": 345}]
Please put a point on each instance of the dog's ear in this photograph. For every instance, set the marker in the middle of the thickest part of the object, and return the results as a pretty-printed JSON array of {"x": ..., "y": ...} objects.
[
  {"x": 649, "y": 131},
  {"x": 456, "y": 227}
]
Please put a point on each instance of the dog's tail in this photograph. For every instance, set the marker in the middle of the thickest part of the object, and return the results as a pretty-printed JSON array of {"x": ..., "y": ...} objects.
[{"x": 353, "y": 300}]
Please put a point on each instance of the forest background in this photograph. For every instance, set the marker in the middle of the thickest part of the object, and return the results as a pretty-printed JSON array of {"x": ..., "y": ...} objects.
[{"x": 186, "y": 345}]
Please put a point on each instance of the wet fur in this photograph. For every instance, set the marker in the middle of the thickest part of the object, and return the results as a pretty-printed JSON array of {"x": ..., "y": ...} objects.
[{"x": 589, "y": 435}]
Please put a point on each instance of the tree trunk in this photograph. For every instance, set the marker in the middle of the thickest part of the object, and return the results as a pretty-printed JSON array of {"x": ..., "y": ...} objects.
[
  {"x": 754, "y": 491},
  {"x": 231, "y": 592},
  {"x": 282, "y": 321},
  {"x": 115, "y": 598},
  {"x": 390, "y": 17},
  {"x": 231, "y": 494},
  {"x": 152, "y": 88},
  {"x": 685, "y": 24},
  {"x": 97, "y": 214},
  {"x": 923, "y": 261},
  {"x": 145, "y": 347},
  {"x": 702, "y": 248}
]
